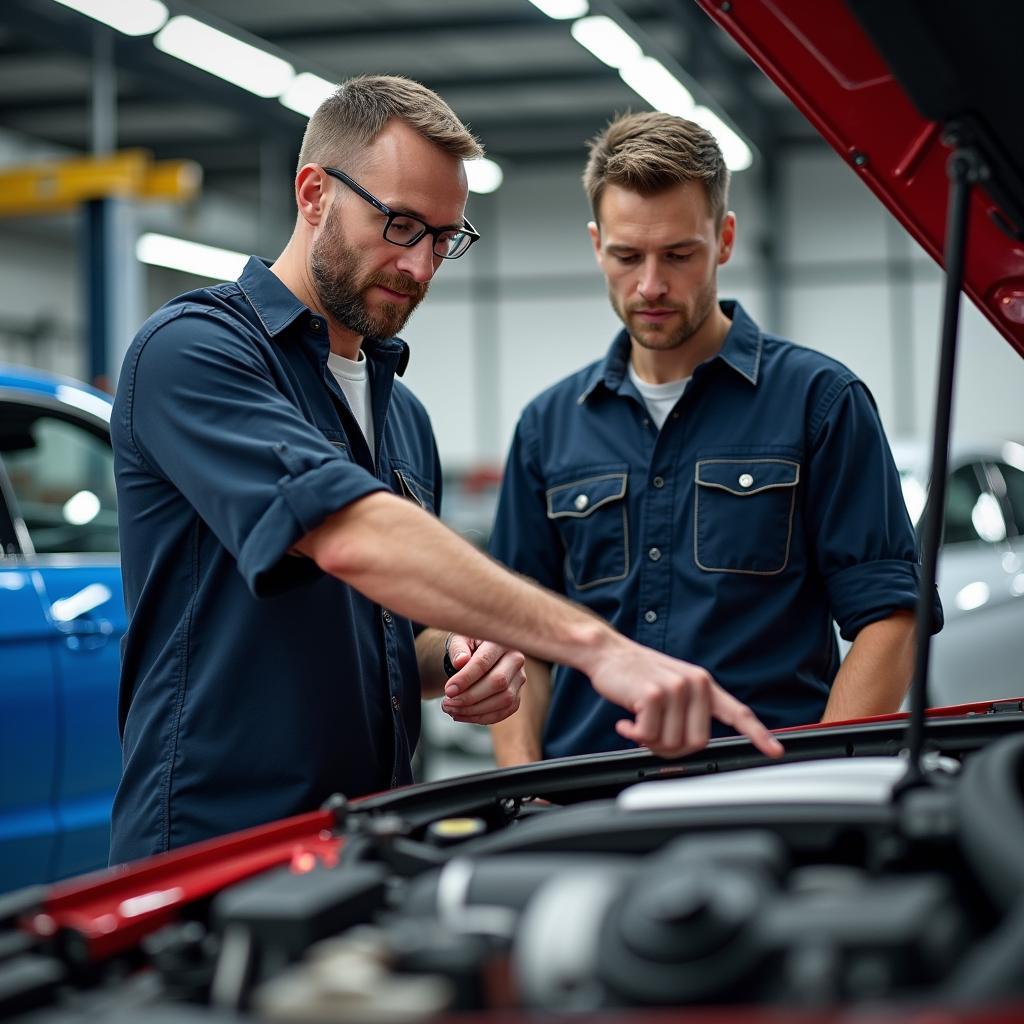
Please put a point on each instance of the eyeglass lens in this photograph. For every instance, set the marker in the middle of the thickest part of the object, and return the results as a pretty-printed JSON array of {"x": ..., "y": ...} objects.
[{"x": 408, "y": 231}]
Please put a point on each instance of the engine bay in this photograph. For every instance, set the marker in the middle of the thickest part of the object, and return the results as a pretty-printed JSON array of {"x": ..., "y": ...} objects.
[{"x": 811, "y": 884}]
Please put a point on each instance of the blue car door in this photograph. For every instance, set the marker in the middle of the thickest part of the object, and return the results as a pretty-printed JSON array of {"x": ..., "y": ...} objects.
[
  {"x": 59, "y": 472},
  {"x": 28, "y": 730}
]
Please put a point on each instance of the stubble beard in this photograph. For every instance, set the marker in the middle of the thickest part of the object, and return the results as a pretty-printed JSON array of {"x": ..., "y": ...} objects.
[
  {"x": 341, "y": 288},
  {"x": 661, "y": 337}
]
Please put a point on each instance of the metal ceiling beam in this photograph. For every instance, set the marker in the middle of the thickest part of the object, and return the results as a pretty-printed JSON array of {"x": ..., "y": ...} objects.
[
  {"x": 51, "y": 24},
  {"x": 481, "y": 20}
]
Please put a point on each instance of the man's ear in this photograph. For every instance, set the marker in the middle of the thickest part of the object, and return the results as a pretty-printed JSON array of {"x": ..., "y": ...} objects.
[
  {"x": 726, "y": 237},
  {"x": 310, "y": 197},
  {"x": 595, "y": 238}
]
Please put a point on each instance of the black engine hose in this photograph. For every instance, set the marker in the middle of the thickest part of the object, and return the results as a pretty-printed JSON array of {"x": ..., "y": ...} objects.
[{"x": 990, "y": 820}]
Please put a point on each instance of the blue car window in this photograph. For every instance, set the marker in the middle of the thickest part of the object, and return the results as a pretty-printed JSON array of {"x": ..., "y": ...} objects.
[{"x": 62, "y": 478}]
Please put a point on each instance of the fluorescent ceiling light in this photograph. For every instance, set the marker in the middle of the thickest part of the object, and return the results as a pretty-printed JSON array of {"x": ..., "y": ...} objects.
[
  {"x": 606, "y": 40},
  {"x": 306, "y": 92},
  {"x": 562, "y": 9},
  {"x": 190, "y": 257},
  {"x": 736, "y": 152},
  {"x": 483, "y": 175},
  {"x": 656, "y": 84},
  {"x": 135, "y": 18},
  {"x": 225, "y": 56}
]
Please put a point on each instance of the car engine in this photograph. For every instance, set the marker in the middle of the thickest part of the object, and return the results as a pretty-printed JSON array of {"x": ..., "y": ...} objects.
[{"x": 812, "y": 884}]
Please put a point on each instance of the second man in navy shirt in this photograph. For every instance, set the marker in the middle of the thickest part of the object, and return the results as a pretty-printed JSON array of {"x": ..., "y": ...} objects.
[{"x": 711, "y": 490}]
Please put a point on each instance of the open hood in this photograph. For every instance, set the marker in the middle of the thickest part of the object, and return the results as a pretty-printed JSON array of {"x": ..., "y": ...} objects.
[{"x": 890, "y": 86}]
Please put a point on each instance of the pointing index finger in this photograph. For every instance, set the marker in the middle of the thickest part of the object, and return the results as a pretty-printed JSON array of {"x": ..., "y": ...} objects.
[{"x": 729, "y": 710}]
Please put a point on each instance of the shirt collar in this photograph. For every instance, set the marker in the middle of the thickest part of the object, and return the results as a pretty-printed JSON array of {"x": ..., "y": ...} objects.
[
  {"x": 741, "y": 350},
  {"x": 743, "y": 344},
  {"x": 274, "y": 303},
  {"x": 278, "y": 308}
]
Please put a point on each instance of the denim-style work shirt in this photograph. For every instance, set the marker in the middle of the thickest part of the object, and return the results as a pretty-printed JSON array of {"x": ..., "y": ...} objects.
[
  {"x": 252, "y": 684},
  {"x": 766, "y": 506}
]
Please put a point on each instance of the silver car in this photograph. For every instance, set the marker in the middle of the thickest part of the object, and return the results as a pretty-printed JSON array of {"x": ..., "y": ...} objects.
[{"x": 980, "y": 652}]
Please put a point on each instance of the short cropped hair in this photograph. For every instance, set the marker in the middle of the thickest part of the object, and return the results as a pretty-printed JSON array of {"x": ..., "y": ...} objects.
[
  {"x": 651, "y": 152},
  {"x": 356, "y": 112}
]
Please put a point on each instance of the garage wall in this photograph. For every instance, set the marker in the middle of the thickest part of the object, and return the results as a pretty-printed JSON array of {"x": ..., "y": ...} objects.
[{"x": 528, "y": 304}]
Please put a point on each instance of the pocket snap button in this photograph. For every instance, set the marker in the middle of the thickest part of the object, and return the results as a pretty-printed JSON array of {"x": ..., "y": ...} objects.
[
  {"x": 581, "y": 502},
  {"x": 746, "y": 480}
]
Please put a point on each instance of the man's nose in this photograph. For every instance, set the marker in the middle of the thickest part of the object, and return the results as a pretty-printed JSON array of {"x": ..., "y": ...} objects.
[
  {"x": 418, "y": 261},
  {"x": 652, "y": 284}
]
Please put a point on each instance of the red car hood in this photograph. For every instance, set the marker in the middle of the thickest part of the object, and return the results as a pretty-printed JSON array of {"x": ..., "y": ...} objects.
[{"x": 882, "y": 82}]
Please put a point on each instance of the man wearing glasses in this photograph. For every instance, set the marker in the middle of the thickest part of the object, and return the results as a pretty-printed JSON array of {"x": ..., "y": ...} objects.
[{"x": 278, "y": 491}]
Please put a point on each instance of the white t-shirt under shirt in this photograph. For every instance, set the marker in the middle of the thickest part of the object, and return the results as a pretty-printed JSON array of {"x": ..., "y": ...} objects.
[
  {"x": 660, "y": 399},
  {"x": 354, "y": 381}
]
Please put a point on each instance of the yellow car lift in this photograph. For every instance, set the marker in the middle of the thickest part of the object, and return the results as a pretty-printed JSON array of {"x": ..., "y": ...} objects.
[
  {"x": 60, "y": 185},
  {"x": 104, "y": 188}
]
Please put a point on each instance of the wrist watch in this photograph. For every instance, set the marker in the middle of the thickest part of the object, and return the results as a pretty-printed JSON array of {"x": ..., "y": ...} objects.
[{"x": 449, "y": 668}]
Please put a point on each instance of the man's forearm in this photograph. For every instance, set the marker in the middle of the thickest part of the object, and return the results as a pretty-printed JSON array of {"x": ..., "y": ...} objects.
[
  {"x": 517, "y": 740},
  {"x": 876, "y": 672},
  {"x": 405, "y": 560}
]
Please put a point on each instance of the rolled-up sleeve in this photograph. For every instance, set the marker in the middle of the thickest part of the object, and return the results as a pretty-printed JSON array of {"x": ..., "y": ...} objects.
[
  {"x": 523, "y": 537},
  {"x": 865, "y": 544},
  {"x": 204, "y": 412}
]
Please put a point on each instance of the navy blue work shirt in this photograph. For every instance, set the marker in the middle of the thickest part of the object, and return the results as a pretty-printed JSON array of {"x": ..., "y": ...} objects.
[
  {"x": 767, "y": 505},
  {"x": 252, "y": 684}
]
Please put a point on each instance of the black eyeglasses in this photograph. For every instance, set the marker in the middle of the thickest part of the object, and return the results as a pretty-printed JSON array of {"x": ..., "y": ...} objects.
[{"x": 404, "y": 229}]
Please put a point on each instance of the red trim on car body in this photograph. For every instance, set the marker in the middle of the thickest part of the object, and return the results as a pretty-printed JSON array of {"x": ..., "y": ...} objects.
[
  {"x": 110, "y": 911},
  {"x": 820, "y": 57}
]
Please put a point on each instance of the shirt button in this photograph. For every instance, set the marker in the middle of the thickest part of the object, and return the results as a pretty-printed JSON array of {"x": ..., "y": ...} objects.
[
  {"x": 316, "y": 323},
  {"x": 746, "y": 480},
  {"x": 581, "y": 502},
  {"x": 387, "y": 616},
  {"x": 659, "y": 482},
  {"x": 654, "y": 554},
  {"x": 396, "y": 703},
  {"x": 650, "y": 616}
]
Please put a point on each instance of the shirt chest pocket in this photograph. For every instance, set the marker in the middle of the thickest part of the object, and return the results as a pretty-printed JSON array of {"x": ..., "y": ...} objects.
[
  {"x": 743, "y": 514},
  {"x": 409, "y": 486},
  {"x": 591, "y": 516}
]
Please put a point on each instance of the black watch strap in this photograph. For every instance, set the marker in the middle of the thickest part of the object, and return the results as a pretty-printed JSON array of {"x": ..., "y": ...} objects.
[{"x": 449, "y": 668}]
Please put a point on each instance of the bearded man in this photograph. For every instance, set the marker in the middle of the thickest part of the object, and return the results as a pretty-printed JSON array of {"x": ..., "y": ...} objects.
[
  {"x": 277, "y": 492},
  {"x": 711, "y": 490}
]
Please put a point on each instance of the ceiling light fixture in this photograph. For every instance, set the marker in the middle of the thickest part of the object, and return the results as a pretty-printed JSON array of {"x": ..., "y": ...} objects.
[
  {"x": 189, "y": 257},
  {"x": 613, "y": 44},
  {"x": 225, "y": 56},
  {"x": 737, "y": 154},
  {"x": 483, "y": 175},
  {"x": 562, "y": 10},
  {"x": 606, "y": 40},
  {"x": 306, "y": 92},
  {"x": 139, "y": 18},
  {"x": 655, "y": 83}
]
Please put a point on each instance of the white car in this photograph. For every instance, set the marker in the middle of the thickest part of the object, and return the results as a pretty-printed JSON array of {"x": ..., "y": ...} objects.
[{"x": 980, "y": 652}]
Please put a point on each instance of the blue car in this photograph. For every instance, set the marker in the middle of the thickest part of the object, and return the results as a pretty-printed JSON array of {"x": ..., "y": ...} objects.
[{"x": 61, "y": 621}]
